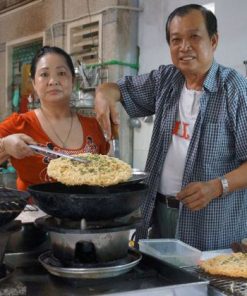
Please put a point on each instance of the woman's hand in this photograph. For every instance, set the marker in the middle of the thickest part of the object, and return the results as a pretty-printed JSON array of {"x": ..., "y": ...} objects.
[
  {"x": 197, "y": 195},
  {"x": 16, "y": 145},
  {"x": 107, "y": 94}
]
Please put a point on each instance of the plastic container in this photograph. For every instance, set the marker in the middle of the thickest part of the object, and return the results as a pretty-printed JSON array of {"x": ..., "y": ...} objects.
[
  {"x": 172, "y": 251},
  {"x": 244, "y": 242},
  {"x": 8, "y": 179}
]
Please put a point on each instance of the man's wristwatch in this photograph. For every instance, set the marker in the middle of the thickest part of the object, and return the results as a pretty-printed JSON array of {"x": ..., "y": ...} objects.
[{"x": 225, "y": 185}]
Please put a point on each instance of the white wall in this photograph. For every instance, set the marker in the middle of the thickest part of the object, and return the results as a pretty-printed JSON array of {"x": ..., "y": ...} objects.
[{"x": 231, "y": 51}]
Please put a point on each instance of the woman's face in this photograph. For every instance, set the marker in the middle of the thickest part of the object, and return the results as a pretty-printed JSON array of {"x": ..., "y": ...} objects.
[{"x": 53, "y": 81}]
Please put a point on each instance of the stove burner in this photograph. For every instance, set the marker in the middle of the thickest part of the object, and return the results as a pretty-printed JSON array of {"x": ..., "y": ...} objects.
[
  {"x": 90, "y": 271},
  {"x": 70, "y": 243},
  {"x": 49, "y": 223},
  {"x": 5, "y": 272},
  {"x": 5, "y": 232}
]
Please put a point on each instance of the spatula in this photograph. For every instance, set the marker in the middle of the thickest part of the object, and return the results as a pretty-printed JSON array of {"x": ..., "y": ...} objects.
[
  {"x": 115, "y": 139},
  {"x": 54, "y": 154}
]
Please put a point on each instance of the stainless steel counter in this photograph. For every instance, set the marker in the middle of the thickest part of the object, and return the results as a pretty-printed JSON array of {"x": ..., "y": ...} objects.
[
  {"x": 215, "y": 292},
  {"x": 151, "y": 277}
]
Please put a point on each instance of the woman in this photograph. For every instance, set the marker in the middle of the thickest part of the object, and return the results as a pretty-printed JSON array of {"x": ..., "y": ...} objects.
[{"x": 53, "y": 125}]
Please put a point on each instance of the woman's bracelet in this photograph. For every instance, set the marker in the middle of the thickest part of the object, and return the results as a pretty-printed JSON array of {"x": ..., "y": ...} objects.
[{"x": 2, "y": 148}]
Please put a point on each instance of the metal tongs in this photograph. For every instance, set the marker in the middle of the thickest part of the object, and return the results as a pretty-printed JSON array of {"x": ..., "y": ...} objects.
[
  {"x": 54, "y": 154},
  {"x": 115, "y": 139}
]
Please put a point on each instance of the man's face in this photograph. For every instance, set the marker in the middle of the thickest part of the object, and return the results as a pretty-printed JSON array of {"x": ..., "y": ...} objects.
[{"x": 191, "y": 47}]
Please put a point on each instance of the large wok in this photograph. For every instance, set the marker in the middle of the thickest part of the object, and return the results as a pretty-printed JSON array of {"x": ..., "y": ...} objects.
[
  {"x": 12, "y": 202},
  {"x": 92, "y": 203}
]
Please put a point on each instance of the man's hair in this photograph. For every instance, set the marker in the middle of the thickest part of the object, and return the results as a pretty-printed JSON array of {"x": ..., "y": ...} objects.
[{"x": 209, "y": 17}]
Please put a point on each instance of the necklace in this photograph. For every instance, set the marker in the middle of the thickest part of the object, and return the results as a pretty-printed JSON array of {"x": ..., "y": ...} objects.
[{"x": 63, "y": 142}]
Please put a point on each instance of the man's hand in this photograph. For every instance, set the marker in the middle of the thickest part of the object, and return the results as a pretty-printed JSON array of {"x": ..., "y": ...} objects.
[
  {"x": 197, "y": 195},
  {"x": 107, "y": 94},
  {"x": 16, "y": 145}
]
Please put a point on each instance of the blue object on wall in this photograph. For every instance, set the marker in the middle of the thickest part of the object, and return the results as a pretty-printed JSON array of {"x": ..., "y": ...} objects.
[{"x": 16, "y": 97}]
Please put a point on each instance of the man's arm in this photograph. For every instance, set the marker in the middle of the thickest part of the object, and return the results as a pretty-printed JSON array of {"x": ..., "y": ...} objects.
[
  {"x": 197, "y": 195},
  {"x": 237, "y": 179},
  {"x": 3, "y": 154},
  {"x": 106, "y": 97}
]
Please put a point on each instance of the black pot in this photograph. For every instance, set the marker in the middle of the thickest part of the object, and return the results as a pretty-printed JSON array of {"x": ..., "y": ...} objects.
[
  {"x": 92, "y": 203},
  {"x": 12, "y": 202}
]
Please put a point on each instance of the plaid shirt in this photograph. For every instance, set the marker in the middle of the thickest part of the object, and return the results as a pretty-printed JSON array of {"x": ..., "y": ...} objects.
[{"x": 218, "y": 146}]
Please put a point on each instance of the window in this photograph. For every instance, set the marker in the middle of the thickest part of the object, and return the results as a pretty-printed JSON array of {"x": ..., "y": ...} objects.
[
  {"x": 84, "y": 40},
  {"x": 21, "y": 84}
]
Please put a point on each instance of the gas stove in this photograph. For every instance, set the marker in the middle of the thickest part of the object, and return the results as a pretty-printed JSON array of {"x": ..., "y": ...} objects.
[
  {"x": 5, "y": 233},
  {"x": 12, "y": 202},
  {"x": 89, "y": 249},
  {"x": 143, "y": 275},
  {"x": 149, "y": 277},
  {"x": 105, "y": 243},
  {"x": 7, "y": 286}
]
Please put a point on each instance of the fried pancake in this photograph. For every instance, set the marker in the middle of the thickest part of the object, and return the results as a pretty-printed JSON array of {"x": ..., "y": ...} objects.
[{"x": 102, "y": 170}]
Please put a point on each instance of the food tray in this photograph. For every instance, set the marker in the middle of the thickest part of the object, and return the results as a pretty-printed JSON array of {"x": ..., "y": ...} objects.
[
  {"x": 172, "y": 251},
  {"x": 224, "y": 285},
  {"x": 227, "y": 286}
]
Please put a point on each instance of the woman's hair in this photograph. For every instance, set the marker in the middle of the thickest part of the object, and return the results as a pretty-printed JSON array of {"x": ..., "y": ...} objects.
[
  {"x": 209, "y": 18},
  {"x": 51, "y": 49}
]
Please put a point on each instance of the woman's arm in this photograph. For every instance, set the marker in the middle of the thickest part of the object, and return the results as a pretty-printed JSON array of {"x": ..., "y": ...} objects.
[{"x": 15, "y": 145}]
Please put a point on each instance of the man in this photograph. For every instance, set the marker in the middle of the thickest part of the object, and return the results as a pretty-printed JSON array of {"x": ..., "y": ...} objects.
[{"x": 198, "y": 149}]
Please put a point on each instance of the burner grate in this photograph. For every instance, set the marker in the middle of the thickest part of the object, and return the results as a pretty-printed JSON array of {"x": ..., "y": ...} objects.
[
  {"x": 228, "y": 285},
  {"x": 11, "y": 206}
]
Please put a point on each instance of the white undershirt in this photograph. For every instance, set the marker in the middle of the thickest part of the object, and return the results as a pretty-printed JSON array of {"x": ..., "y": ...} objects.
[{"x": 173, "y": 168}]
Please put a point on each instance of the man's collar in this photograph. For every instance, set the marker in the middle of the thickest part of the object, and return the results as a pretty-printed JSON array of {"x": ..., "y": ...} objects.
[{"x": 210, "y": 83}]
